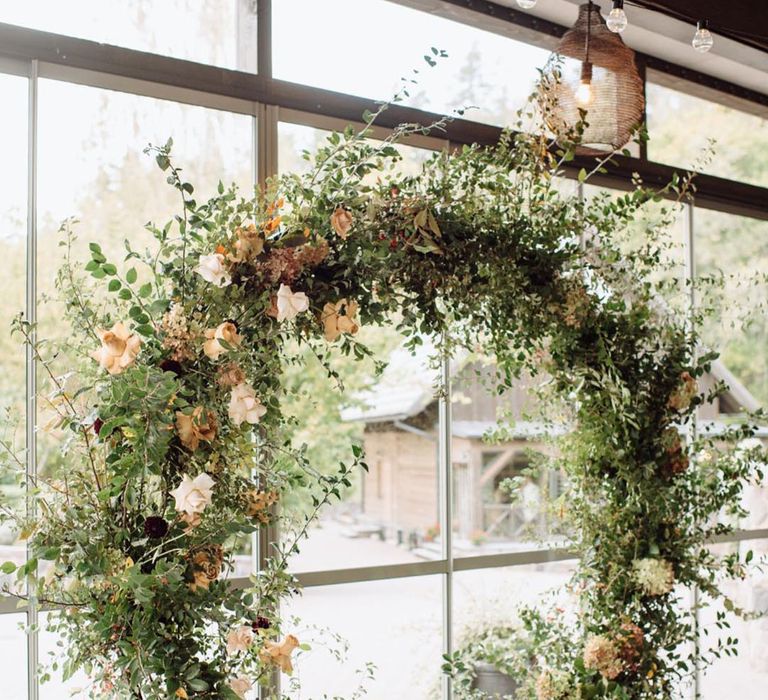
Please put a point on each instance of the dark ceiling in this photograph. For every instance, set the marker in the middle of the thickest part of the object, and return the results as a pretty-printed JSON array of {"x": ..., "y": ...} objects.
[{"x": 742, "y": 20}]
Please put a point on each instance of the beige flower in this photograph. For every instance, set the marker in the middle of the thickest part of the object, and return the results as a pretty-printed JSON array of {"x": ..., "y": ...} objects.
[
  {"x": 258, "y": 503},
  {"x": 290, "y": 304},
  {"x": 212, "y": 269},
  {"x": 656, "y": 577},
  {"x": 339, "y": 318},
  {"x": 230, "y": 375},
  {"x": 602, "y": 654},
  {"x": 206, "y": 563},
  {"x": 245, "y": 405},
  {"x": 191, "y": 519},
  {"x": 279, "y": 653},
  {"x": 239, "y": 639},
  {"x": 118, "y": 348},
  {"x": 249, "y": 244},
  {"x": 195, "y": 427},
  {"x": 193, "y": 495},
  {"x": 240, "y": 686},
  {"x": 177, "y": 335},
  {"x": 341, "y": 221},
  {"x": 227, "y": 332},
  {"x": 681, "y": 398}
]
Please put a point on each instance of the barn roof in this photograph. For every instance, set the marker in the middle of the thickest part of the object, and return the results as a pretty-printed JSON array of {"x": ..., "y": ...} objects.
[{"x": 408, "y": 386}]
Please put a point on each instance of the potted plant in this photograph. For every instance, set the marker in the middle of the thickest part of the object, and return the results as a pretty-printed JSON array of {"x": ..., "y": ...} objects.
[{"x": 491, "y": 663}]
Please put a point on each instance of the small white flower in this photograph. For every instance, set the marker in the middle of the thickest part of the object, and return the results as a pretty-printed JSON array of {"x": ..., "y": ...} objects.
[
  {"x": 240, "y": 686},
  {"x": 290, "y": 304},
  {"x": 245, "y": 405},
  {"x": 239, "y": 639},
  {"x": 212, "y": 269},
  {"x": 655, "y": 577},
  {"x": 193, "y": 495}
]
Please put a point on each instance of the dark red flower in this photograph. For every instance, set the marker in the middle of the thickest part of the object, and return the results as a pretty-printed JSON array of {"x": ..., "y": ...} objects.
[
  {"x": 172, "y": 366},
  {"x": 261, "y": 623},
  {"x": 155, "y": 527},
  {"x": 97, "y": 425}
]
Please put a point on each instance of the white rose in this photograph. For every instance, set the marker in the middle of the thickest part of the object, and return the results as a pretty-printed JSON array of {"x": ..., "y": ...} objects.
[
  {"x": 212, "y": 269},
  {"x": 290, "y": 304},
  {"x": 245, "y": 405},
  {"x": 240, "y": 686},
  {"x": 239, "y": 639},
  {"x": 193, "y": 495}
]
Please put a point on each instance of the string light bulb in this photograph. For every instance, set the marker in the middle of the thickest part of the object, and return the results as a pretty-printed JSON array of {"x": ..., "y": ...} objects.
[
  {"x": 702, "y": 39},
  {"x": 585, "y": 93},
  {"x": 617, "y": 18},
  {"x": 526, "y": 4}
]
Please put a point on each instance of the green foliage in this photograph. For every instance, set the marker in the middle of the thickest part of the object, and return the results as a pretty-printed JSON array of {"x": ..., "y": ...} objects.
[{"x": 481, "y": 248}]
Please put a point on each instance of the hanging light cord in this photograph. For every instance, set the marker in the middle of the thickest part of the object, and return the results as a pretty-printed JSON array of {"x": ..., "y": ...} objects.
[{"x": 651, "y": 6}]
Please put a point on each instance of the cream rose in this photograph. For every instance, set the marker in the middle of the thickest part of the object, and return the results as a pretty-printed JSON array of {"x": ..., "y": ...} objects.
[
  {"x": 245, "y": 405},
  {"x": 193, "y": 495},
  {"x": 118, "y": 350},
  {"x": 239, "y": 639},
  {"x": 227, "y": 332},
  {"x": 341, "y": 221},
  {"x": 339, "y": 318},
  {"x": 290, "y": 304},
  {"x": 212, "y": 269},
  {"x": 240, "y": 686}
]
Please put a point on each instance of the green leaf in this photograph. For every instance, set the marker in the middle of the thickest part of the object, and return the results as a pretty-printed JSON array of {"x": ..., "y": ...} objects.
[
  {"x": 109, "y": 268},
  {"x": 145, "y": 290},
  {"x": 131, "y": 275},
  {"x": 114, "y": 285},
  {"x": 582, "y": 175}
]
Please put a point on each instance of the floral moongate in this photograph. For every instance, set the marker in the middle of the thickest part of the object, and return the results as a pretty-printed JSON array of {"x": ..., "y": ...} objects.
[{"x": 179, "y": 451}]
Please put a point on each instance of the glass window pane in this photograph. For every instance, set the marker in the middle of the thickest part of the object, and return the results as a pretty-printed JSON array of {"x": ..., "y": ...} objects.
[
  {"x": 205, "y": 32},
  {"x": 484, "y": 70},
  {"x": 390, "y": 514},
  {"x": 92, "y": 167},
  {"x": 13, "y": 656},
  {"x": 681, "y": 126},
  {"x": 738, "y": 675},
  {"x": 13, "y": 236},
  {"x": 394, "y": 625},
  {"x": 734, "y": 250}
]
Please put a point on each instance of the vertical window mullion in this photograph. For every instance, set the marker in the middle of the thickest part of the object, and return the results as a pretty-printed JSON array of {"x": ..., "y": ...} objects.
[
  {"x": 446, "y": 507},
  {"x": 31, "y": 367}
]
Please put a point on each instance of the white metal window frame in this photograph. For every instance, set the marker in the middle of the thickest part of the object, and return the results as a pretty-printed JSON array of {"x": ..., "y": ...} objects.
[{"x": 266, "y": 119}]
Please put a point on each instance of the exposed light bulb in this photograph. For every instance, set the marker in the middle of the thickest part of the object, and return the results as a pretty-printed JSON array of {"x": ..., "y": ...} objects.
[
  {"x": 617, "y": 18},
  {"x": 526, "y": 4},
  {"x": 702, "y": 39},
  {"x": 585, "y": 93}
]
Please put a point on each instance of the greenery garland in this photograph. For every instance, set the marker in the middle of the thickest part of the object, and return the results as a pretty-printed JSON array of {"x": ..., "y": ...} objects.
[{"x": 179, "y": 449}]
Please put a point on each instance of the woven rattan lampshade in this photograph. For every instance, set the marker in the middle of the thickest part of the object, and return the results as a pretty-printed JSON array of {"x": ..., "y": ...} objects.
[{"x": 617, "y": 103}]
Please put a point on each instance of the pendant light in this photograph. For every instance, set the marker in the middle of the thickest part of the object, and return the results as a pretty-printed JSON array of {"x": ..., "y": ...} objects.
[{"x": 609, "y": 89}]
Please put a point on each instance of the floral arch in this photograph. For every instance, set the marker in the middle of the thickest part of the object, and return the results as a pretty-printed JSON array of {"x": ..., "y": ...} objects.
[{"x": 180, "y": 447}]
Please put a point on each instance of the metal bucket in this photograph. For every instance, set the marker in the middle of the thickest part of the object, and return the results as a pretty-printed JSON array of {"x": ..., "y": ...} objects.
[{"x": 494, "y": 684}]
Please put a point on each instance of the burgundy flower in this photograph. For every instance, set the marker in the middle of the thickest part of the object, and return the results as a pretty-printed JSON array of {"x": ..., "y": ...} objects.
[
  {"x": 97, "y": 426},
  {"x": 172, "y": 366},
  {"x": 261, "y": 623},
  {"x": 155, "y": 527}
]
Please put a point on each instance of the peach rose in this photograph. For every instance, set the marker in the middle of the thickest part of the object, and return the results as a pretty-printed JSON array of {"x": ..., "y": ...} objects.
[
  {"x": 230, "y": 375},
  {"x": 249, "y": 244},
  {"x": 341, "y": 221},
  {"x": 258, "y": 503},
  {"x": 240, "y": 686},
  {"x": 195, "y": 427},
  {"x": 206, "y": 562},
  {"x": 118, "y": 350},
  {"x": 227, "y": 332},
  {"x": 279, "y": 653},
  {"x": 245, "y": 406},
  {"x": 339, "y": 318}
]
